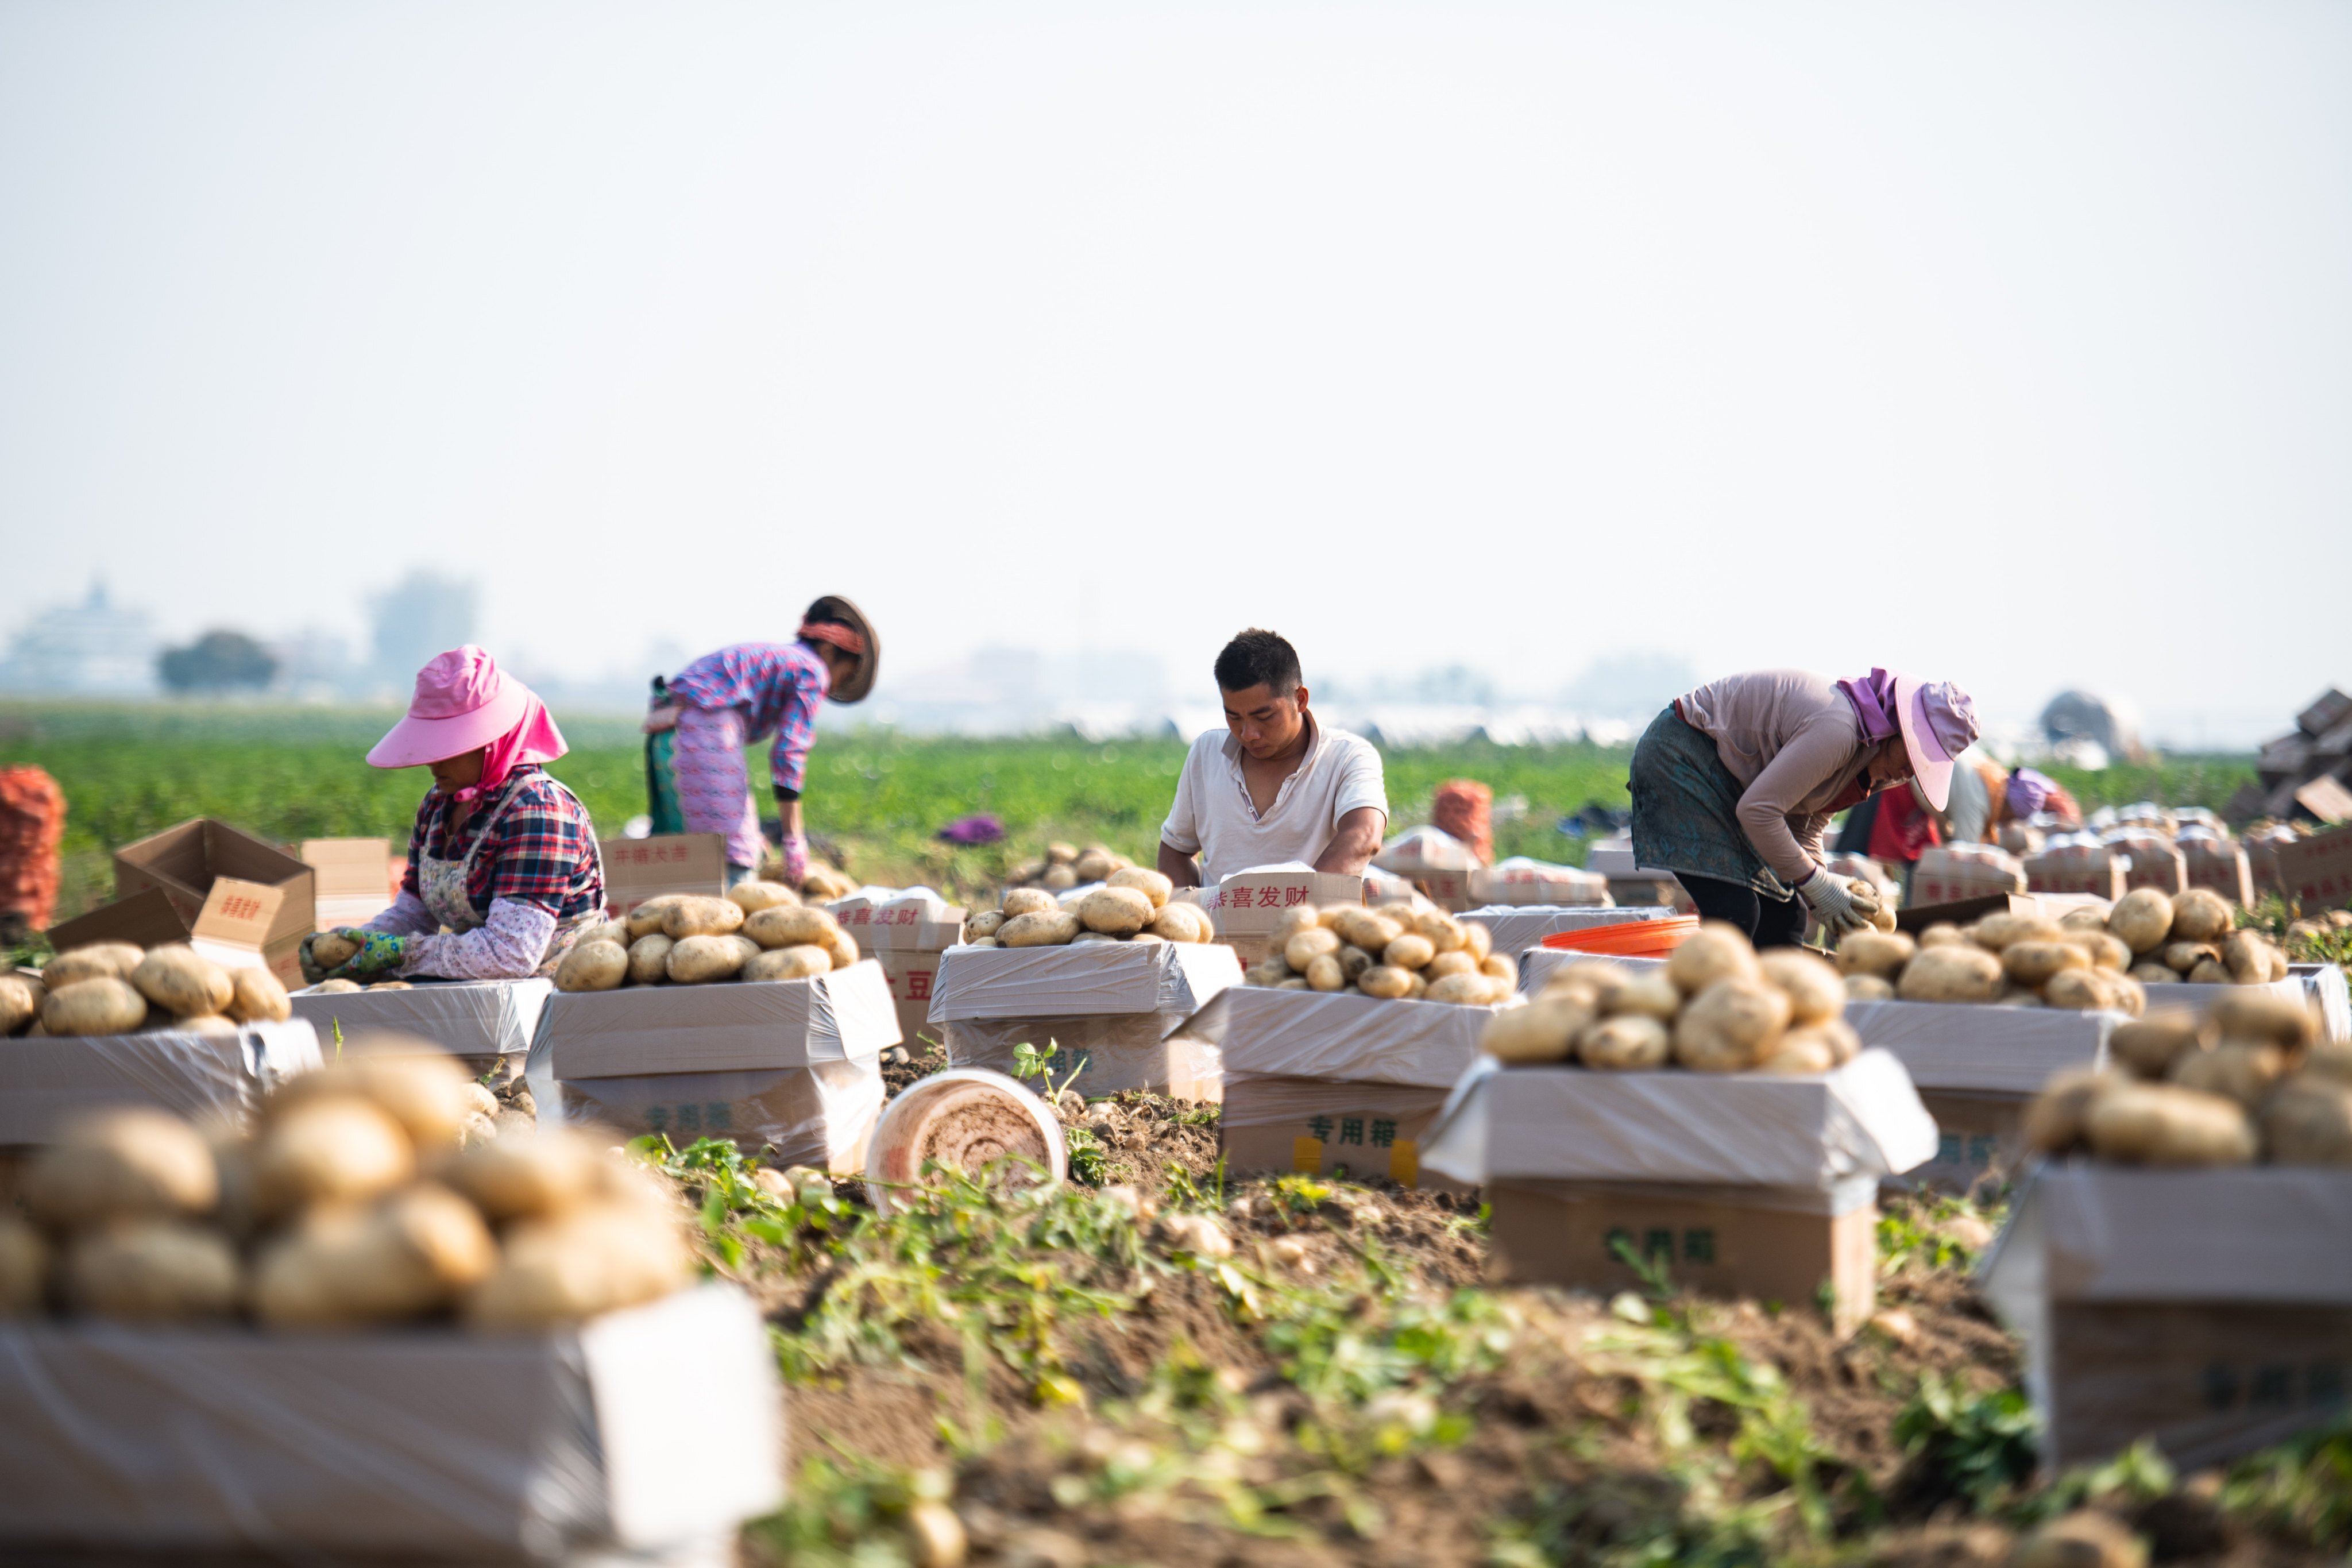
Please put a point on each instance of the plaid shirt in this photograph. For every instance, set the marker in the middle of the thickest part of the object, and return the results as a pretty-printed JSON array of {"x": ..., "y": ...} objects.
[
  {"x": 779, "y": 683},
  {"x": 544, "y": 853}
]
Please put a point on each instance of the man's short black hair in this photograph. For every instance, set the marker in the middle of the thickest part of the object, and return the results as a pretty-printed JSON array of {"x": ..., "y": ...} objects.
[{"x": 1258, "y": 658}]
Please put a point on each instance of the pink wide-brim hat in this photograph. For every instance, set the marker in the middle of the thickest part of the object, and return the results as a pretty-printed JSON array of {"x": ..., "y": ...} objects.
[
  {"x": 463, "y": 702},
  {"x": 1931, "y": 759}
]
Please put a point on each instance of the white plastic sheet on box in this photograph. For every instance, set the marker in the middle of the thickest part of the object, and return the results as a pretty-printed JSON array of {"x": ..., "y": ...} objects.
[
  {"x": 399, "y": 1445},
  {"x": 1977, "y": 1048},
  {"x": 1093, "y": 1054},
  {"x": 472, "y": 1018},
  {"x": 1538, "y": 964},
  {"x": 1522, "y": 881},
  {"x": 2197, "y": 998},
  {"x": 2323, "y": 984},
  {"x": 1365, "y": 1039},
  {"x": 1738, "y": 1129},
  {"x": 1424, "y": 849},
  {"x": 46, "y": 1080},
  {"x": 1087, "y": 978},
  {"x": 1516, "y": 928}
]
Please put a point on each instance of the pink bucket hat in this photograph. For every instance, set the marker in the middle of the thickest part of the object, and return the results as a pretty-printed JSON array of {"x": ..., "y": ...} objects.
[
  {"x": 1938, "y": 723},
  {"x": 464, "y": 702}
]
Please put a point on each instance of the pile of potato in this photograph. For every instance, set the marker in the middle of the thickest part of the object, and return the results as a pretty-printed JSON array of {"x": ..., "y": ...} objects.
[
  {"x": 759, "y": 931},
  {"x": 1715, "y": 1006},
  {"x": 1065, "y": 867},
  {"x": 1396, "y": 951},
  {"x": 1133, "y": 906},
  {"x": 113, "y": 988},
  {"x": 355, "y": 1202},
  {"x": 2084, "y": 960},
  {"x": 2251, "y": 1079}
]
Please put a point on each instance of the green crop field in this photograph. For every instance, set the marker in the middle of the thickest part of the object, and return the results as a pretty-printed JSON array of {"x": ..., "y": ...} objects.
[{"x": 875, "y": 799}]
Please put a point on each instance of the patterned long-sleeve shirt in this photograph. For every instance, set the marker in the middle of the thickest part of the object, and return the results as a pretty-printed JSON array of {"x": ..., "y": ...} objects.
[
  {"x": 544, "y": 852},
  {"x": 780, "y": 685}
]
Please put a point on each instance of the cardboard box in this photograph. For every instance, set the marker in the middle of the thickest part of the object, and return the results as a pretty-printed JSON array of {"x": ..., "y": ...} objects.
[
  {"x": 2220, "y": 865},
  {"x": 2073, "y": 868},
  {"x": 1245, "y": 905},
  {"x": 2315, "y": 872},
  {"x": 2325, "y": 798},
  {"x": 2155, "y": 862},
  {"x": 1101, "y": 1011},
  {"x": 1979, "y": 1137},
  {"x": 408, "y": 1445},
  {"x": 1269, "y": 1125},
  {"x": 906, "y": 936},
  {"x": 46, "y": 1080},
  {"x": 789, "y": 1069},
  {"x": 1726, "y": 1241},
  {"x": 1974, "y": 1049},
  {"x": 355, "y": 879},
  {"x": 636, "y": 870},
  {"x": 237, "y": 924},
  {"x": 1446, "y": 887},
  {"x": 184, "y": 861},
  {"x": 2210, "y": 1311},
  {"x": 485, "y": 1022},
  {"x": 1950, "y": 876},
  {"x": 1520, "y": 881}
]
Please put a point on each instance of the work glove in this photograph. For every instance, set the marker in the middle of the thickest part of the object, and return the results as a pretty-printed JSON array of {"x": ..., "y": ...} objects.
[
  {"x": 795, "y": 850},
  {"x": 381, "y": 952},
  {"x": 311, "y": 972},
  {"x": 1831, "y": 904}
]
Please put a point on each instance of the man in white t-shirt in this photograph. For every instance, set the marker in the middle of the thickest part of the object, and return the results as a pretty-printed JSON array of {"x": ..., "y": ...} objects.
[{"x": 1276, "y": 787}]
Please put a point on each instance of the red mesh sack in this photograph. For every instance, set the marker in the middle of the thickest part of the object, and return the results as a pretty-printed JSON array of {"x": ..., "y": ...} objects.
[
  {"x": 32, "y": 822},
  {"x": 1465, "y": 808}
]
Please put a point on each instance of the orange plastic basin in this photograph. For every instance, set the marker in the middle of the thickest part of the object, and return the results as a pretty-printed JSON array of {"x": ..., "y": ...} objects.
[{"x": 1634, "y": 938}]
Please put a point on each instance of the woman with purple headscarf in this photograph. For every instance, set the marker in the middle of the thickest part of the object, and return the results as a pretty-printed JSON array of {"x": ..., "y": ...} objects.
[{"x": 1734, "y": 784}]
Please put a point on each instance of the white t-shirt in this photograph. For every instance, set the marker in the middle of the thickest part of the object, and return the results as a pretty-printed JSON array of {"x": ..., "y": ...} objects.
[{"x": 1214, "y": 818}]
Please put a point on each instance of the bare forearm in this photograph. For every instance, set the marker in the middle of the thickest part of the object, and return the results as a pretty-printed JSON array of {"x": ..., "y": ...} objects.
[
  {"x": 1354, "y": 845},
  {"x": 1178, "y": 867}
]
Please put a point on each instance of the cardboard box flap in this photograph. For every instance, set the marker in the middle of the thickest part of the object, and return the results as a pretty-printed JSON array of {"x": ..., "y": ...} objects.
[
  {"x": 909, "y": 922},
  {"x": 1517, "y": 927},
  {"x": 466, "y": 1018},
  {"x": 636, "y": 870},
  {"x": 45, "y": 1082},
  {"x": 1307, "y": 1034},
  {"x": 1751, "y": 1129},
  {"x": 847, "y": 1016},
  {"x": 146, "y": 919},
  {"x": 236, "y": 921},
  {"x": 186, "y": 859},
  {"x": 1095, "y": 977},
  {"x": 1969, "y": 1047},
  {"x": 354, "y": 878}
]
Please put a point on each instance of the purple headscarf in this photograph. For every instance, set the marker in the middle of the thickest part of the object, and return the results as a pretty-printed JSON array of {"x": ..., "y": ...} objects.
[
  {"x": 2027, "y": 790},
  {"x": 1874, "y": 703}
]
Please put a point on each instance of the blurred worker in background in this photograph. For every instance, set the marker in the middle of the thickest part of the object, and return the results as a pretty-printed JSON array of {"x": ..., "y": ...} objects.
[
  {"x": 737, "y": 697},
  {"x": 1276, "y": 787},
  {"x": 1734, "y": 784},
  {"x": 2028, "y": 794},
  {"x": 503, "y": 869}
]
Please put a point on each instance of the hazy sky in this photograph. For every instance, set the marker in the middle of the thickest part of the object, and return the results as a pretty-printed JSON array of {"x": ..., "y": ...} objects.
[{"x": 2011, "y": 342}]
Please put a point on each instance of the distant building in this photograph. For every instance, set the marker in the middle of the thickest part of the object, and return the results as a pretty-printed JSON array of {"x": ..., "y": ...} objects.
[{"x": 91, "y": 650}]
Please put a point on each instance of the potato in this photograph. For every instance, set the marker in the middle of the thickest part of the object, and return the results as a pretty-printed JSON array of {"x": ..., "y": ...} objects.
[
  {"x": 2180, "y": 957},
  {"x": 329, "y": 1147},
  {"x": 1630, "y": 1042},
  {"x": 20, "y": 1002},
  {"x": 593, "y": 966},
  {"x": 1416, "y": 988},
  {"x": 1291, "y": 983},
  {"x": 1951, "y": 974},
  {"x": 1085, "y": 937},
  {"x": 1799, "y": 1053},
  {"x": 2106, "y": 951},
  {"x": 752, "y": 895},
  {"x": 2142, "y": 919},
  {"x": 2308, "y": 1122},
  {"x": 1410, "y": 950},
  {"x": 97, "y": 1006},
  {"x": 1183, "y": 922},
  {"x": 530, "y": 1176},
  {"x": 1367, "y": 929},
  {"x": 984, "y": 942},
  {"x": 703, "y": 959},
  {"x": 2055, "y": 1121},
  {"x": 2245, "y": 955},
  {"x": 2242, "y": 1070},
  {"x": 182, "y": 981},
  {"x": 1324, "y": 973},
  {"x": 1867, "y": 988},
  {"x": 1815, "y": 993},
  {"x": 1051, "y": 928},
  {"x": 1997, "y": 933},
  {"x": 646, "y": 918},
  {"x": 97, "y": 961},
  {"x": 1479, "y": 940},
  {"x": 1468, "y": 989},
  {"x": 415, "y": 1082},
  {"x": 785, "y": 926},
  {"x": 839, "y": 944},
  {"x": 1726, "y": 1026},
  {"x": 391, "y": 985},
  {"x": 1384, "y": 980},
  {"x": 1060, "y": 854},
  {"x": 152, "y": 1271},
  {"x": 1836, "y": 1034},
  {"x": 2085, "y": 918},
  {"x": 1595, "y": 977},
  {"x": 2148, "y": 1047},
  {"x": 331, "y": 950},
  {"x": 614, "y": 932},
  {"x": 598, "y": 1257},
  {"x": 1152, "y": 885},
  {"x": 25, "y": 1265},
  {"x": 1502, "y": 967},
  {"x": 2082, "y": 989},
  {"x": 1716, "y": 951},
  {"x": 1457, "y": 962},
  {"x": 2163, "y": 1124},
  {"x": 1291, "y": 922},
  {"x": 1058, "y": 879},
  {"x": 1542, "y": 1031},
  {"x": 2209, "y": 972},
  {"x": 1094, "y": 864},
  {"x": 1309, "y": 945},
  {"x": 258, "y": 996},
  {"x": 411, "y": 1254},
  {"x": 1877, "y": 953},
  {"x": 1143, "y": 936},
  {"x": 199, "y": 1024},
  {"x": 702, "y": 917},
  {"x": 1353, "y": 961},
  {"x": 1120, "y": 911},
  {"x": 1942, "y": 934},
  {"x": 2264, "y": 1016},
  {"x": 2148, "y": 973},
  {"x": 336, "y": 987},
  {"x": 1444, "y": 932},
  {"x": 985, "y": 923},
  {"x": 649, "y": 959},
  {"x": 117, "y": 1164},
  {"x": 1649, "y": 994},
  {"x": 2201, "y": 914},
  {"x": 803, "y": 963},
  {"x": 1030, "y": 901},
  {"x": 1327, "y": 917}
]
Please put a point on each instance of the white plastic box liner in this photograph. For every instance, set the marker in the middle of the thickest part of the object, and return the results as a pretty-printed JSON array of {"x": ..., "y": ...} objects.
[
  {"x": 1107, "y": 1009},
  {"x": 2325, "y": 984},
  {"x": 1305, "y": 1034},
  {"x": 2199, "y": 997},
  {"x": 644, "y": 1432},
  {"x": 46, "y": 1080},
  {"x": 1748, "y": 1130},
  {"x": 1523, "y": 881},
  {"x": 476, "y": 1019},
  {"x": 1981, "y": 1049},
  {"x": 1516, "y": 929},
  {"x": 1538, "y": 964},
  {"x": 795, "y": 1065}
]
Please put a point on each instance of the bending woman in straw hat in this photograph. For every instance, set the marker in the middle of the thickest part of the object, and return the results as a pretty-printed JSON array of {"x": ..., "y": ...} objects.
[
  {"x": 503, "y": 871},
  {"x": 1734, "y": 784},
  {"x": 738, "y": 697}
]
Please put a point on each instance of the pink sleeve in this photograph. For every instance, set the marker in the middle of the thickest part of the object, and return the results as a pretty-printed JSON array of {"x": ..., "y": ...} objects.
[
  {"x": 511, "y": 945},
  {"x": 407, "y": 917},
  {"x": 1802, "y": 766}
]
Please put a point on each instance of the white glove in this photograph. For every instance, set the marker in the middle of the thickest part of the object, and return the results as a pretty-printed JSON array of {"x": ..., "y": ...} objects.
[{"x": 1827, "y": 897}]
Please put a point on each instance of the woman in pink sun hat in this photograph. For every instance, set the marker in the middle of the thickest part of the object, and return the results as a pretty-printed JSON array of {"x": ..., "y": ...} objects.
[
  {"x": 503, "y": 867},
  {"x": 1734, "y": 784}
]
